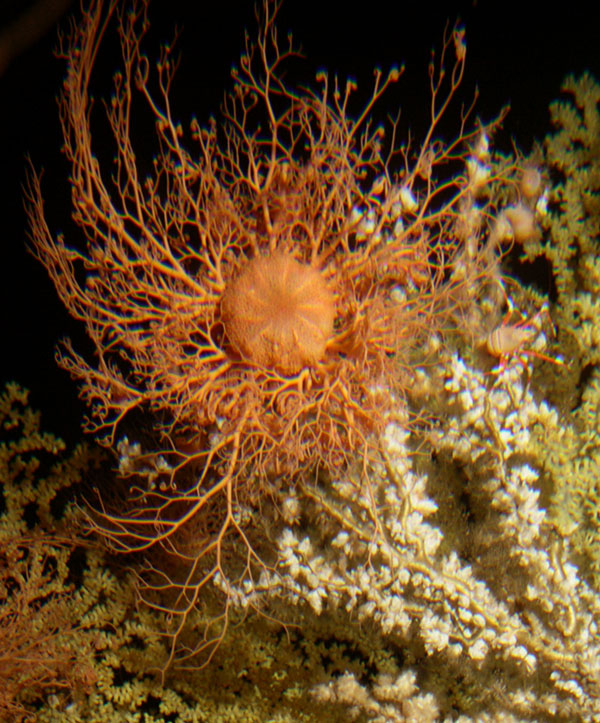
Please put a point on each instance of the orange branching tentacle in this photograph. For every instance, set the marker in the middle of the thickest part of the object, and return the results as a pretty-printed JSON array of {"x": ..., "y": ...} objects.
[{"x": 258, "y": 297}]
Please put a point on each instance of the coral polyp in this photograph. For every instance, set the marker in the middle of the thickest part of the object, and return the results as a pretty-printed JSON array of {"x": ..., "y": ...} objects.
[{"x": 279, "y": 313}]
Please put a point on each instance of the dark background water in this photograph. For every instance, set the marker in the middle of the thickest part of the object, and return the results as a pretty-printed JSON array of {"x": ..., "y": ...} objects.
[{"x": 518, "y": 53}]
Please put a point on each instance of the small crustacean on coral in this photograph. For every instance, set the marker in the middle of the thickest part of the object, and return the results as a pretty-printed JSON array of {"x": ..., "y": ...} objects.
[
  {"x": 259, "y": 298},
  {"x": 519, "y": 337}
]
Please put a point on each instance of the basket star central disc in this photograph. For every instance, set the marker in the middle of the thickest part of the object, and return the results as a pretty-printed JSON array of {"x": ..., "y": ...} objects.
[{"x": 279, "y": 313}]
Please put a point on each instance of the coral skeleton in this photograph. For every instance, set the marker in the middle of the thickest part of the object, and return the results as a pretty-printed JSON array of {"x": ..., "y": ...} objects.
[{"x": 385, "y": 562}]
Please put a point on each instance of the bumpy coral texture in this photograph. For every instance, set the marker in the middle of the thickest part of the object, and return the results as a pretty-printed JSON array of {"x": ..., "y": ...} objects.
[
  {"x": 570, "y": 244},
  {"x": 506, "y": 613}
]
